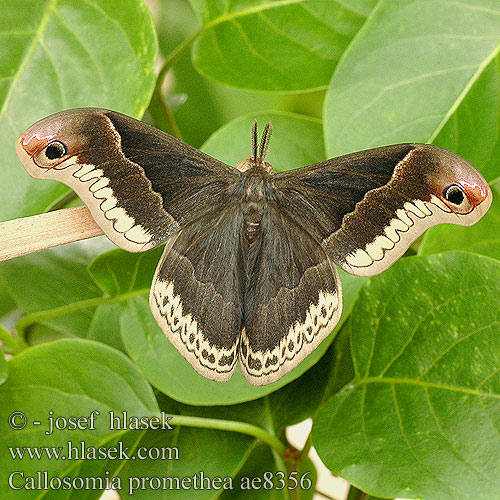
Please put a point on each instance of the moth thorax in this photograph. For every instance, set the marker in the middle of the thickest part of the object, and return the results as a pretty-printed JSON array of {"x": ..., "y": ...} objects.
[{"x": 250, "y": 162}]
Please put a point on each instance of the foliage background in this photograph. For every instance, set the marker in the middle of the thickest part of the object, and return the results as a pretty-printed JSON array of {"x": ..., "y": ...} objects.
[{"x": 406, "y": 397}]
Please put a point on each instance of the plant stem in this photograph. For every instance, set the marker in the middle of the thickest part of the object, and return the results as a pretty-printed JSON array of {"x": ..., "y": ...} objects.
[
  {"x": 62, "y": 201},
  {"x": 176, "y": 54},
  {"x": 281, "y": 467},
  {"x": 305, "y": 450},
  {"x": 494, "y": 182},
  {"x": 14, "y": 344},
  {"x": 231, "y": 425},
  {"x": 162, "y": 115},
  {"x": 159, "y": 108},
  {"x": 36, "y": 317},
  {"x": 328, "y": 497}
]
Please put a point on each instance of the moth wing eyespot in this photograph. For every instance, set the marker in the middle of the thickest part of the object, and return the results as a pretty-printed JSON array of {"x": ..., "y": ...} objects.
[
  {"x": 55, "y": 150},
  {"x": 457, "y": 199},
  {"x": 454, "y": 194}
]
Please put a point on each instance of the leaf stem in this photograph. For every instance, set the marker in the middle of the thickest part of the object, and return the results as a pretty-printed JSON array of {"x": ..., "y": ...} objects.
[
  {"x": 62, "y": 201},
  {"x": 325, "y": 495},
  {"x": 159, "y": 107},
  {"x": 304, "y": 453},
  {"x": 38, "y": 316},
  {"x": 15, "y": 344},
  {"x": 231, "y": 425},
  {"x": 176, "y": 54},
  {"x": 281, "y": 467}
]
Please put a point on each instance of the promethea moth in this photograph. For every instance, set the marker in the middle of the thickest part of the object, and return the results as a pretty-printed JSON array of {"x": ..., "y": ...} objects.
[{"x": 249, "y": 267}]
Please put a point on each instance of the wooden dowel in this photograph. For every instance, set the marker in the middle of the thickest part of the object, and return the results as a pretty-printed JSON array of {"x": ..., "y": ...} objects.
[{"x": 31, "y": 234}]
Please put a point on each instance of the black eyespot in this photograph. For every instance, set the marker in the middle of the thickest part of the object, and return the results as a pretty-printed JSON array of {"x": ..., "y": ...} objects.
[
  {"x": 55, "y": 150},
  {"x": 454, "y": 194}
]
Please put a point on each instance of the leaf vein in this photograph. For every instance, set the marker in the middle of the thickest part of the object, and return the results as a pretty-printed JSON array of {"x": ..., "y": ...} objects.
[
  {"x": 82, "y": 44},
  {"x": 255, "y": 52},
  {"x": 454, "y": 449},
  {"x": 421, "y": 383},
  {"x": 454, "y": 344},
  {"x": 410, "y": 447},
  {"x": 384, "y": 89},
  {"x": 29, "y": 54},
  {"x": 434, "y": 307}
]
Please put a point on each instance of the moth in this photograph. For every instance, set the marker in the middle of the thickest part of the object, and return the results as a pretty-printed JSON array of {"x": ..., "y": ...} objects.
[{"x": 249, "y": 267}]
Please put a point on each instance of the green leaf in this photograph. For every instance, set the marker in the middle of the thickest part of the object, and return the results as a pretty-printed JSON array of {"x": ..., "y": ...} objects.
[
  {"x": 7, "y": 303},
  {"x": 167, "y": 370},
  {"x": 70, "y": 377},
  {"x": 201, "y": 452},
  {"x": 422, "y": 417},
  {"x": 296, "y": 141},
  {"x": 408, "y": 70},
  {"x": 342, "y": 365},
  {"x": 39, "y": 333},
  {"x": 105, "y": 326},
  {"x": 482, "y": 238},
  {"x": 473, "y": 129},
  {"x": 67, "y": 54},
  {"x": 266, "y": 44},
  {"x": 53, "y": 278},
  {"x": 118, "y": 272}
]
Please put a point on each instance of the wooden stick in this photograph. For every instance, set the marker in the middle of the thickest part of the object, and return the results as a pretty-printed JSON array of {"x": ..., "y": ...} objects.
[{"x": 31, "y": 234}]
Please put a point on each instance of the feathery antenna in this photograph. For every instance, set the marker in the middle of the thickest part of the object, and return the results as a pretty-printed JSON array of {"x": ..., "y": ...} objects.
[
  {"x": 254, "y": 141},
  {"x": 264, "y": 142}
]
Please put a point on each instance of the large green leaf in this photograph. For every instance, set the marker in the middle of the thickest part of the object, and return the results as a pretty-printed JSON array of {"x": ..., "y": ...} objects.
[
  {"x": 408, "y": 70},
  {"x": 119, "y": 272},
  {"x": 422, "y": 416},
  {"x": 296, "y": 140},
  {"x": 284, "y": 45},
  {"x": 54, "y": 278},
  {"x": 69, "y": 378},
  {"x": 59, "y": 54},
  {"x": 473, "y": 130}
]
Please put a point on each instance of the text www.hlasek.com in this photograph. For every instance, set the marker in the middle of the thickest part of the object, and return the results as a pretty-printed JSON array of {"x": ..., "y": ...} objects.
[{"x": 80, "y": 451}]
